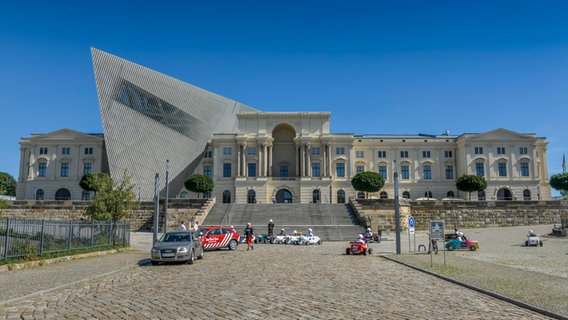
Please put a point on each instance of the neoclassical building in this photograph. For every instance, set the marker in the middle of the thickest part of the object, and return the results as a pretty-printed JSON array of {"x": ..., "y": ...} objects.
[{"x": 150, "y": 119}]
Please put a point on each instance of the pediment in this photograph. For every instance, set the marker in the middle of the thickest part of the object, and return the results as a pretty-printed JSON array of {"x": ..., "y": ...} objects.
[
  {"x": 67, "y": 135},
  {"x": 502, "y": 135}
]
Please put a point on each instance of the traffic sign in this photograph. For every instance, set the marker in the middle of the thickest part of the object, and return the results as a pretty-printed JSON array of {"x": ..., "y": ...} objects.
[
  {"x": 411, "y": 221},
  {"x": 437, "y": 229}
]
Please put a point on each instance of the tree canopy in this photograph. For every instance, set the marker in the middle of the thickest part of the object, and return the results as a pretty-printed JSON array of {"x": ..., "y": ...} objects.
[
  {"x": 95, "y": 181},
  {"x": 199, "y": 183},
  {"x": 114, "y": 202},
  {"x": 470, "y": 183},
  {"x": 7, "y": 184},
  {"x": 368, "y": 181},
  {"x": 560, "y": 182}
]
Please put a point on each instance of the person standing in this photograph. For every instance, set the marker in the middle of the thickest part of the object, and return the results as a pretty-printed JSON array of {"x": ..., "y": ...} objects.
[
  {"x": 249, "y": 235},
  {"x": 270, "y": 228},
  {"x": 182, "y": 226},
  {"x": 196, "y": 225}
]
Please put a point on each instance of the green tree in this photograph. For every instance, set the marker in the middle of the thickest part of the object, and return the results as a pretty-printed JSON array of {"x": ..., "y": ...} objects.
[
  {"x": 7, "y": 184},
  {"x": 199, "y": 183},
  {"x": 470, "y": 183},
  {"x": 96, "y": 182},
  {"x": 115, "y": 202},
  {"x": 560, "y": 183},
  {"x": 368, "y": 181}
]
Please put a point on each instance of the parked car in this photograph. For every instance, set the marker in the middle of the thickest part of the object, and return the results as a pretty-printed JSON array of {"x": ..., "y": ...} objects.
[
  {"x": 460, "y": 243},
  {"x": 217, "y": 237},
  {"x": 177, "y": 246}
]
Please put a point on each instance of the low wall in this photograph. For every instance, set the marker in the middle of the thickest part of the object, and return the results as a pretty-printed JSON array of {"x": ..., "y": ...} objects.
[{"x": 462, "y": 214}]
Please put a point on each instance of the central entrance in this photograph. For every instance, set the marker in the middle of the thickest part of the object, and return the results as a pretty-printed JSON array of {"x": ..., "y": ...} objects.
[{"x": 284, "y": 196}]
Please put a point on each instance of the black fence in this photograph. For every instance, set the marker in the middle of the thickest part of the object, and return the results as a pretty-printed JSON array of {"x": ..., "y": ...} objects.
[{"x": 35, "y": 238}]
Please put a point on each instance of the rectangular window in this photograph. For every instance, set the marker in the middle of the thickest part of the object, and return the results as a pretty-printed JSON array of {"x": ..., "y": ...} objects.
[
  {"x": 382, "y": 154},
  {"x": 208, "y": 154},
  {"x": 251, "y": 150},
  {"x": 502, "y": 169},
  {"x": 427, "y": 172},
  {"x": 340, "y": 150},
  {"x": 316, "y": 150},
  {"x": 359, "y": 154},
  {"x": 425, "y": 154},
  {"x": 316, "y": 169},
  {"x": 284, "y": 171},
  {"x": 500, "y": 150},
  {"x": 87, "y": 167},
  {"x": 449, "y": 172},
  {"x": 226, "y": 170},
  {"x": 478, "y": 150},
  {"x": 227, "y": 151},
  {"x": 523, "y": 150},
  {"x": 207, "y": 171},
  {"x": 383, "y": 171},
  {"x": 360, "y": 169},
  {"x": 89, "y": 150},
  {"x": 340, "y": 169},
  {"x": 43, "y": 150},
  {"x": 404, "y": 154},
  {"x": 479, "y": 169},
  {"x": 66, "y": 150},
  {"x": 251, "y": 171},
  {"x": 448, "y": 154},
  {"x": 65, "y": 169},
  {"x": 524, "y": 169},
  {"x": 42, "y": 169},
  {"x": 405, "y": 172}
]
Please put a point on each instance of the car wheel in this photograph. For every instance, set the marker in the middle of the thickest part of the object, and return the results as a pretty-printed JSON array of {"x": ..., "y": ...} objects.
[
  {"x": 540, "y": 243},
  {"x": 191, "y": 257},
  {"x": 472, "y": 248},
  {"x": 201, "y": 254},
  {"x": 451, "y": 248},
  {"x": 370, "y": 250},
  {"x": 526, "y": 243},
  {"x": 346, "y": 251},
  {"x": 364, "y": 252},
  {"x": 319, "y": 242},
  {"x": 233, "y": 244},
  {"x": 155, "y": 263}
]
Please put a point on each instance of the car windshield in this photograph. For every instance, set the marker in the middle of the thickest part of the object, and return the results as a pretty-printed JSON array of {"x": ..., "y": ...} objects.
[{"x": 176, "y": 237}]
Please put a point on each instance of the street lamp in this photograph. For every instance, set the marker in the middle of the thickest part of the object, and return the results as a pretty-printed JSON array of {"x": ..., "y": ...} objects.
[
  {"x": 156, "y": 206},
  {"x": 166, "y": 197},
  {"x": 396, "y": 209}
]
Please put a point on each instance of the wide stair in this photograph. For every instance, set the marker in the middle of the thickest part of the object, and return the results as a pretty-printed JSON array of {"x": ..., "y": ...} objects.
[{"x": 328, "y": 221}]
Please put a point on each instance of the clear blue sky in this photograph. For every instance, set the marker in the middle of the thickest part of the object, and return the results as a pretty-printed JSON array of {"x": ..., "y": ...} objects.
[{"x": 377, "y": 66}]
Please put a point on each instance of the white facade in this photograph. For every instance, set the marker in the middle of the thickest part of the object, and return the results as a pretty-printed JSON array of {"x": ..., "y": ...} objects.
[{"x": 52, "y": 164}]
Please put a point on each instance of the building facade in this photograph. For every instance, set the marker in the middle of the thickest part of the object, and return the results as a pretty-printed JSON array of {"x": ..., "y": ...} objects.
[{"x": 159, "y": 127}]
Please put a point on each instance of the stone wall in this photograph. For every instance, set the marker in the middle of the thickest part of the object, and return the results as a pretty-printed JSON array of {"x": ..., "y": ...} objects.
[
  {"x": 461, "y": 214},
  {"x": 140, "y": 219}
]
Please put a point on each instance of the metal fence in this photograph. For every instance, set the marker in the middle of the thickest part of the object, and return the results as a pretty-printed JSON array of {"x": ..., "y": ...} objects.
[{"x": 34, "y": 238}]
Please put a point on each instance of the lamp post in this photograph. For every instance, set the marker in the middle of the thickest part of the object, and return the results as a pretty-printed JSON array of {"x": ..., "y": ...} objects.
[
  {"x": 396, "y": 209},
  {"x": 538, "y": 192},
  {"x": 166, "y": 197},
  {"x": 156, "y": 206}
]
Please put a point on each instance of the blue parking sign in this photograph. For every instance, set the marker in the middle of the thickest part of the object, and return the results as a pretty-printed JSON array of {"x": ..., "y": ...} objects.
[{"x": 411, "y": 221}]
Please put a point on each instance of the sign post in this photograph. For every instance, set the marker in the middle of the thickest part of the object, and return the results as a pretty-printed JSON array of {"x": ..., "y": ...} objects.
[
  {"x": 436, "y": 233},
  {"x": 411, "y": 231}
]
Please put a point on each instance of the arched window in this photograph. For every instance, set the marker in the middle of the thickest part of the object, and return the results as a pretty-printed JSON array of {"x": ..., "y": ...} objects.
[
  {"x": 504, "y": 194},
  {"x": 251, "y": 196},
  {"x": 183, "y": 195},
  {"x": 86, "y": 195},
  {"x": 340, "y": 196},
  {"x": 384, "y": 195},
  {"x": 406, "y": 195},
  {"x": 450, "y": 194},
  {"x": 62, "y": 194},
  {"x": 39, "y": 194},
  {"x": 316, "y": 196},
  {"x": 526, "y": 194},
  {"x": 226, "y": 196}
]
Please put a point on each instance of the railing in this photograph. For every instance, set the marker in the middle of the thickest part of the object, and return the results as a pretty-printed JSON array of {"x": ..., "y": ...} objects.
[{"x": 34, "y": 238}]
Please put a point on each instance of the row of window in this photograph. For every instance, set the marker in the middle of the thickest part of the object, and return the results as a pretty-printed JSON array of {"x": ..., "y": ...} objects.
[
  {"x": 61, "y": 194},
  {"x": 64, "y": 172},
  {"x": 65, "y": 150},
  {"x": 501, "y": 150}
]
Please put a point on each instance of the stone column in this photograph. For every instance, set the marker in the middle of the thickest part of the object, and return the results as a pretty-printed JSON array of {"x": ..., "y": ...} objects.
[
  {"x": 239, "y": 161},
  {"x": 297, "y": 161},
  {"x": 269, "y": 171},
  {"x": 309, "y": 161},
  {"x": 264, "y": 160}
]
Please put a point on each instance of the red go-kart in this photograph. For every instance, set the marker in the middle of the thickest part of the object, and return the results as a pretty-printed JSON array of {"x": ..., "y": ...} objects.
[{"x": 358, "y": 248}]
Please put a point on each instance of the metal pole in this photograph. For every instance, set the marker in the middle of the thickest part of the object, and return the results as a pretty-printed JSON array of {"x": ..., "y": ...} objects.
[
  {"x": 156, "y": 206},
  {"x": 330, "y": 194},
  {"x": 166, "y": 198},
  {"x": 396, "y": 210}
]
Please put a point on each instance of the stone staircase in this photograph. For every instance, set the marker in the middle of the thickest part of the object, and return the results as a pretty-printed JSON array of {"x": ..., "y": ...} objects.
[{"x": 328, "y": 221}]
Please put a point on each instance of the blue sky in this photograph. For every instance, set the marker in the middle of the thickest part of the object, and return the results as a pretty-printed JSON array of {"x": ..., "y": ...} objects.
[{"x": 378, "y": 66}]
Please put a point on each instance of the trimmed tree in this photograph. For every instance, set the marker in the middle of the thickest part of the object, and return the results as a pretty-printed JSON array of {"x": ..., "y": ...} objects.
[
  {"x": 560, "y": 182},
  {"x": 199, "y": 183},
  {"x": 368, "y": 181},
  {"x": 7, "y": 184},
  {"x": 469, "y": 183},
  {"x": 96, "y": 182}
]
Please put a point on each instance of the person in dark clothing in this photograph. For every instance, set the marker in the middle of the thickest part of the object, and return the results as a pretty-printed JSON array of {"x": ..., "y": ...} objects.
[
  {"x": 249, "y": 236},
  {"x": 270, "y": 228}
]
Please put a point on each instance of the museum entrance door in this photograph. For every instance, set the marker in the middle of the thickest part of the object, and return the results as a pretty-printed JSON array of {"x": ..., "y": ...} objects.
[{"x": 284, "y": 196}]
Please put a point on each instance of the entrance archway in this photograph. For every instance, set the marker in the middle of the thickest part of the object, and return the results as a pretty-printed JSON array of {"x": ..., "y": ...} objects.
[
  {"x": 251, "y": 196},
  {"x": 62, "y": 194},
  {"x": 504, "y": 194},
  {"x": 284, "y": 196},
  {"x": 283, "y": 152},
  {"x": 316, "y": 196}
]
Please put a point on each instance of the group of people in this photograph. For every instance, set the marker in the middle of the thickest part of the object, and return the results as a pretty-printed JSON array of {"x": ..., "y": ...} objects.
[{"x": 182, "y": 226}]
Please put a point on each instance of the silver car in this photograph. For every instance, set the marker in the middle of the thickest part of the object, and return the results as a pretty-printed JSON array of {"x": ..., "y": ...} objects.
[{"x": 177, "y": 246}]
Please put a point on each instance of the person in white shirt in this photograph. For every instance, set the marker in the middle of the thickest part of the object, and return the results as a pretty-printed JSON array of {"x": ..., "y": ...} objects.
[
  {"x": 182, "y": 226},
  {"x": 196, "y": 225}
]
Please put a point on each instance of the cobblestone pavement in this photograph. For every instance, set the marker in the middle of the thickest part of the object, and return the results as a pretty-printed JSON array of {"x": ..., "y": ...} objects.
[{"x": 269, "y": 282}]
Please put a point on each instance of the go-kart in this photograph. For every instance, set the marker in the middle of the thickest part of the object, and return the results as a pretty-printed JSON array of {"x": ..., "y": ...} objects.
[
  {"x": 466, "y": 244},
  {"x": 358, "y": 248},
  {"x": 309, "y": 240},
  {"x": 281, "y": 238},
  {"x": 264, "y": 238},
  {"x": 291, "y": 239},
  {"x": 533, "y": 240}
]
